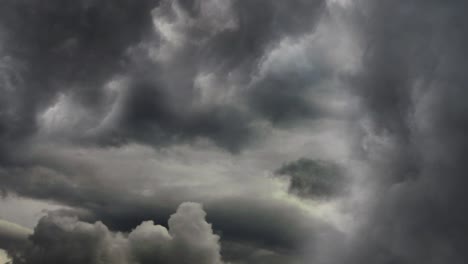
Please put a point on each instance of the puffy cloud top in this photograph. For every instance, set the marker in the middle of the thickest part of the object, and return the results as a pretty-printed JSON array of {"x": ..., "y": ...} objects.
[{"x": 63, "y": 239}]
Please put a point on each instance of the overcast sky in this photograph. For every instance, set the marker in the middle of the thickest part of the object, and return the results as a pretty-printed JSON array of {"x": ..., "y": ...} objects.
[{"x": 233, "y": 131}]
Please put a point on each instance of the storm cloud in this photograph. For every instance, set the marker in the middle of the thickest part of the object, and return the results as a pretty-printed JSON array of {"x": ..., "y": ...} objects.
[
  {"x": 323, "y": 131},
  {"x": 412, "y": 85},
  {"x": 157, "y": 72}
]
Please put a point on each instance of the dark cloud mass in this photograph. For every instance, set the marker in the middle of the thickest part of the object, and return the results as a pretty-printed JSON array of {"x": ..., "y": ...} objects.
[
  {"x": 13, "y": 237},
  {"x": 313, "y": 178},
  {"x": 117, "y": 112},
  {"x": 62, "y": 47},
  {"x": 413, "y": 87},
  {"x": 74, "y": 48}
]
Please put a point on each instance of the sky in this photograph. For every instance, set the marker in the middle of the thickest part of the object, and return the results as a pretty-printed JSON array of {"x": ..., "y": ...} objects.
[{"x": 233, "y": 132}]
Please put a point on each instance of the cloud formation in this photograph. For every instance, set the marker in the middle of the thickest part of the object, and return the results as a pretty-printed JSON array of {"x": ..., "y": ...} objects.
[
  {"x": 157, "y": 72},
  {"x": 104, "y": 99},
  {"x": 313, "y": 178},
  {"x": 64, "y": 239},
  {"x": 322, "y": 131},
  {"x": 13, "y": 237},
  {"x": 411, "y": 86}
]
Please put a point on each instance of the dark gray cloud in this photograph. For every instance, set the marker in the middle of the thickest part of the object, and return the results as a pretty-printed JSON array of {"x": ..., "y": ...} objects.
[
  {"x": 412, "y": 84},
  {"x": 269, "y": 224},
  {"x": 70, "y": 47},
  {"x": 225, "y": 40},
  {"x": 149, "y": 117},
  {"x": 313, "y": 178},
  {"x": 63, "y": 54},
  {"x": 259, "y": 222},
  {"x": 266, "y": 223},
  {"x": 13, "y": 237},
  {"x": 108, "y": 74},
  {"x": 243, "y": 253},
  {"x": 82, "y": 82}
]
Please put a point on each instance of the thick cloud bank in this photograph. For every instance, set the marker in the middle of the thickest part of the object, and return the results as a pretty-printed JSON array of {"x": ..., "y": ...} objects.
[{"x": 63, "y": 239}]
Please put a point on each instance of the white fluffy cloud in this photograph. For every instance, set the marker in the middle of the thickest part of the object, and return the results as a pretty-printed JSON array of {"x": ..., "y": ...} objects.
[
  {"x": 189, "y": 239},
  {"x": 63, "y": 239}
]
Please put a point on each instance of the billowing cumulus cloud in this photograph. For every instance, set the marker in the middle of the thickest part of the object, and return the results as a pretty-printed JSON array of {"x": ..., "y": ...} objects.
[{"x": 64, "y": 239}]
